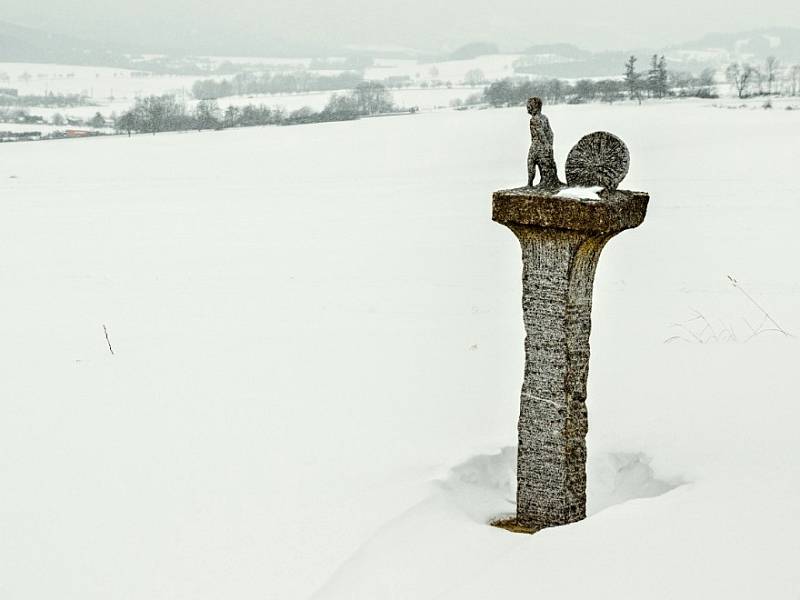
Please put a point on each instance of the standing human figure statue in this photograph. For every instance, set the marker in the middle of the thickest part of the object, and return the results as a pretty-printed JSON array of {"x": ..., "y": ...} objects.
[{"x": 541, "y": 152}]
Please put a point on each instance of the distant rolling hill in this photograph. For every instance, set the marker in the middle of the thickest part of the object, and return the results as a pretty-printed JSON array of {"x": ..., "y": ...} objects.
[
  {"x": 754, "y": 46},
  {"x": 713, "y": 50},
  {"x": 23, "y": 44}
]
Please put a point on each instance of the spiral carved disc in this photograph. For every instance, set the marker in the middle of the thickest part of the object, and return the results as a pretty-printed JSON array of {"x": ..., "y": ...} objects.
[{"x": 599, "y": 158}]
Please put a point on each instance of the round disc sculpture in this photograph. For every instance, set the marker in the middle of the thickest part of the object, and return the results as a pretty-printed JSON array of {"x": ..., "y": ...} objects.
[
  {"x": 600, "y": 158},
  {"x": 561, "y": 240}
]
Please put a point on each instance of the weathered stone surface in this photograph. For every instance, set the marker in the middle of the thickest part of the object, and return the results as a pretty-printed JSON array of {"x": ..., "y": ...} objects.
[
  {"x": 599, "y": 158},
  {"x": 540, "y": 153},
  {"x": 615, "y": 211},
  {"x": 561, "y": 241}
]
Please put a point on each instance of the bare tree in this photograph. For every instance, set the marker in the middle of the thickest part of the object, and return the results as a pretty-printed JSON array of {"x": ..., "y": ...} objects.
[
  {"x": 771, "y": 67},
  {"x": 97, "y": 121},
  {"x": 610, "y": 90},
  {"x": 740, "y": 77},
  {"x": 794, "y": 78},
  {"x": 474, "y": 77},
  {"x": 705, "y": 84},
  {"x": 341, "y": 107},
  {"x": 757, "y": 78},
  {"x": 373, "y": 98},
  {"x": 231, "y": 117},
  {"x": 585, "y": 90},
  {"x": 207, "y": 115}
]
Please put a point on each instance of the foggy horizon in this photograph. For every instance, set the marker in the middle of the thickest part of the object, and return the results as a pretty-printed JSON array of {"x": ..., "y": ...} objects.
[{"x": 314, "y": 25}]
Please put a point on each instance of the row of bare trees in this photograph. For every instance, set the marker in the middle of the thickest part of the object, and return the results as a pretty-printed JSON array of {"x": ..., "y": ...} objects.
[
  {"x": 657, "y": 82},
  {"x": 274, "y": 83},
  {"x": 771, "y": 78},
  {"x": 154, "y": 114}
]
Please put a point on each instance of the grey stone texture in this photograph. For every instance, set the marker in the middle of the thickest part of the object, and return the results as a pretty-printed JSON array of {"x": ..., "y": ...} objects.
[
  {"x": 561, "y": 241},
  {"x": 599, "y": 158}
]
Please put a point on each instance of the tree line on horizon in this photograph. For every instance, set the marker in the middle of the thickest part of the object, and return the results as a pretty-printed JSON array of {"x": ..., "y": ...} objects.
[
  {"x": 154, "y": 114},
  {"x": 366, "y": 97},
  {"x": 770, "y": 78},
  {"x": 246, "y": 83},
  {"x": 657, "y": 82},
  {"x": 48, "y": 100}
]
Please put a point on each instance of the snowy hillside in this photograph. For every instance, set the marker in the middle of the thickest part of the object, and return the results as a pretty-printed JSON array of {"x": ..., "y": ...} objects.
[
  {"x": 782, "y": 42},
  {"x": 98, "y": 83},
  {"x": 317, "y": 341}
]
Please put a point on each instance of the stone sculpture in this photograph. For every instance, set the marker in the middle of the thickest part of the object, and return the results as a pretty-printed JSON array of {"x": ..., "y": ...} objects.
[
  {"x": 541, "y": 150},
  {"x": 599, "y": 158},
  {"x": 561, "y": 240}
]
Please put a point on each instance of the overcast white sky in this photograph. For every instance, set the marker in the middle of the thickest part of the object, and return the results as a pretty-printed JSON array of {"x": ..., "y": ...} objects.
[{"x": 426, "y": 24}]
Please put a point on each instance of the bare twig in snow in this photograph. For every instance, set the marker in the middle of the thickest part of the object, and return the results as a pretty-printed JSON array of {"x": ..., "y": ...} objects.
[
  {"x": 697, "y": 337},
  {"x": 700, "y": 330},
  {"x": 767, "y": 316},
  {"x": 708, "y": 326},
  {"x": 108, "y": 341},
  {"x": 676, "y": 338}
]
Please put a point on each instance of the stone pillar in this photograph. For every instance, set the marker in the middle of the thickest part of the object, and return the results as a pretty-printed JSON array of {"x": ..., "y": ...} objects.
[{"x": 561, "y": 241}]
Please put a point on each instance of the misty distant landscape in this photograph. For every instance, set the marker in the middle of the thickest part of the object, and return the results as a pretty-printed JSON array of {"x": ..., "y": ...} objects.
[
  {"x": 261, "y": 337},
  {"x": 54, "y": 85}
]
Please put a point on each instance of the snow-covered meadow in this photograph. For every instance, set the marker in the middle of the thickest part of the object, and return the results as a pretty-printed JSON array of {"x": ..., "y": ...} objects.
[
  {"x": 113, "y": 90},
  {"x": 425, "y": 99},
  {"x": 493, "y": 66},
  {"x": 101, "y": 84},
  {"x": 317, "y": 343}
]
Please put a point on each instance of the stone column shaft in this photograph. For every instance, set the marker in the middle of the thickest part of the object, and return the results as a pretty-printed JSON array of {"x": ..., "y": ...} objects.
[{"x": 561, "y": 241}]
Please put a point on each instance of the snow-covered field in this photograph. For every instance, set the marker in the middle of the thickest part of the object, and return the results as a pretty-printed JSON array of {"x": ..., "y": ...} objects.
[
  {"x": 318, "y": 353},
  {"x": 98, "y": 83},
  {"x": 109, "y": 90},
  {"x": 267, "y": 61},
  {"x": 112, "y": 90},
  {"x": 493, "y": 66},
  {"x": 422, "y": 98},
  {"x": 432, "y": 98},
  {"x": 43, "y": 128}
]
